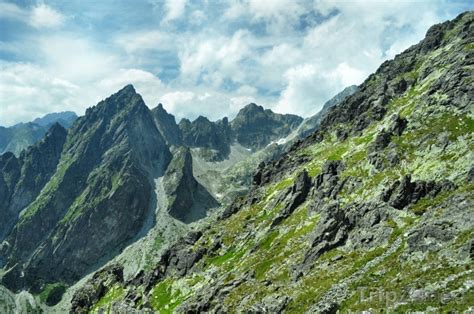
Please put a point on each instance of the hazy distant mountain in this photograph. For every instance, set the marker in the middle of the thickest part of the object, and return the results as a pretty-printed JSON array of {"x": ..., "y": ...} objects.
[
  {"x": 18, "y": 137},
  {"x": 66, "y": 119}
]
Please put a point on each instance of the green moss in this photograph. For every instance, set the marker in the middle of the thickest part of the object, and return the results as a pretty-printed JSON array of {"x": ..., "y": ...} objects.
[
  {"x": 221, "y": 259},
  {"x": 105, "y": 303},
  {"x": 164, "y": 298},
  {"x": 469, "y": 47},
  {"x": 52, "y": 293},
  {"x": 283, "y": 184},
  {"x": 266, "y": 243},
  {"x": 463, "y": 238},
  {"x": 314, "y": 170},
  {"x": 262, "y": 267},
  {"x": 428, "y": 202}
]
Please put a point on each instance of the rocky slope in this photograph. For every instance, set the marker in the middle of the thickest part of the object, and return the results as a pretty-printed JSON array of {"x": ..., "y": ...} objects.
[
  {"x": 372, "y": 212},
  {"x": 18, "y": 137},
  {"x": 22, "y": 178},
  {"x": 113, "y": 165}
]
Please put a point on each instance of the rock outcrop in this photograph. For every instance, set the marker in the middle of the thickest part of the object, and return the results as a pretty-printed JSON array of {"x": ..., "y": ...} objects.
[
  {"x": 214, "y": 137},
  {"x": 188, "y": 199},
  {"x": 405, "y": 192},
  {"x": 21, "y": 179},
  {"x": 166, "y": 124}
]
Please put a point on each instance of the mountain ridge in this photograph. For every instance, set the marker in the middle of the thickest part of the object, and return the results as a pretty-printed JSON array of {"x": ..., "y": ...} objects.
[{"x": 368, "y": 200}]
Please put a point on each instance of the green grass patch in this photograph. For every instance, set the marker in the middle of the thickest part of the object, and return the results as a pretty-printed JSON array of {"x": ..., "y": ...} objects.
[
  {"x": 164, "y": 298},
  {"x": 52, "y": 293},
  {"x": 105, "y": 303}
]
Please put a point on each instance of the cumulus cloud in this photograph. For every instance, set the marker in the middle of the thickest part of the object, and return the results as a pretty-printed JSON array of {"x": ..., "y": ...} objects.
[
  {"x": 215, "y": 59},
  {"x": 145, "y": 40},
  {"x": 344, "y": 49},
  {"x": 45, "y": 16},
  {"x": 39, "y": 16},
  {"x": 174, "y": 9},
  {"x": 28, "y": 92},
  {"x": 213, "y": 105},
  {"x": 201, "y": 57}
]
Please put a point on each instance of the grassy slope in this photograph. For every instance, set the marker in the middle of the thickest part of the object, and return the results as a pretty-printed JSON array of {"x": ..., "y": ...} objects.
[{"x": 269, "y": 254}]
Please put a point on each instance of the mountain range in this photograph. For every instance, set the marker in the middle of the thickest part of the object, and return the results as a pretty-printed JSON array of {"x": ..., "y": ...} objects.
[
  {"x": 18, "y": 137},
  {"x": 127, "y": 210}
]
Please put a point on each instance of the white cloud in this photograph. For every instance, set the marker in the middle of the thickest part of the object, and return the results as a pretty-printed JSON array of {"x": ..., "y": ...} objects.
[
  {"x": 145, "y": 40},
  {"x": 211, "y": 104},
  {"x": 174, "y": 9},
  {"x": 148, "y": 85},
  {"x": 76, "y": 59},
  {"x": 28, "y": 92},
  {"x": 39, "y": 16},
  {"x": 216, "y": 59},
  {"x": 43, "y": 16},
  {"x": 278, "y": 53},
  {"x": 278, "y": 15},
  {"x": 346, "y": 48},
  {"x": 12, "y": 11}
]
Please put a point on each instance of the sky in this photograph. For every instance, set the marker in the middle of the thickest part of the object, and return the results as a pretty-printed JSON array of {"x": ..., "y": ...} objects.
[{"x": 207, "y": 57}]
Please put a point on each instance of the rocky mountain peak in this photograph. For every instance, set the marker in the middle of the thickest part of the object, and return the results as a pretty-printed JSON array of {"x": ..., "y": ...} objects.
[
  {"x": 126, "y": 98},
  {"x": 55, "y": 130},
  {"x": 254, "y": 127},
  {"x": 251, "y": 108},
  {"x": 166, "y": 124},
  {"x": 65, "y": 118}
]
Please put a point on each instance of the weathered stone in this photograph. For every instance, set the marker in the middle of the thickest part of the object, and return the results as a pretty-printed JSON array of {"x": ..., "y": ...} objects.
[
  {"x": 405, "y": 192},
  {"x": 398, "y": 125},
  {"x": 296, "y": 196}
]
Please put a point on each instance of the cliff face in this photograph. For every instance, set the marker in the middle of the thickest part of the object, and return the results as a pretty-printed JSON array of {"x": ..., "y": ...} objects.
[
  {"x": 188, "y": 199},
  {"x": 255, "y": 127},
  {"x": 167, "y": 126},
  {"x": 20, "y": 136},
  {"x": 21, "y": 179},
  {"x": 212, "y": 136},
  {"x": 101, "y": 184},
  {"x": 379, "y": 199}
]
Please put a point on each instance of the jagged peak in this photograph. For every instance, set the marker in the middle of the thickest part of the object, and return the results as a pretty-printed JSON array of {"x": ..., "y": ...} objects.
[
  {"x": 55, "y": 129},
  {"x": 159, "y": 110},
  {"x": 201, "y": 119},
  {"x": 252, "y": 107},
  {"x": 126, "y": 97},
  {"x": 127, "y": 89},
  {"x": 184, "y": 121}
]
